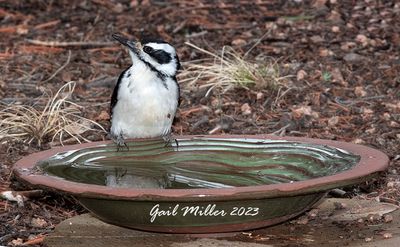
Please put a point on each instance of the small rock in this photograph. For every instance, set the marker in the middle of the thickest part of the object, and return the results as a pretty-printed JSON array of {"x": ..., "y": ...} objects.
[
  {"x": 358, "y": 141},
  {"x": 369, "y": 239},
  {"x": 246, "y": 109},
  {"x": 301, "y": 74},
  {"x": 361, "y": 38},
  {"x": 374, "y": 218},
  {"x": 317, "y": 39},
  {"x": 388, "y": 218},
  {"x": 348, "y": 46},
  {"x": 353, "y": 58},
  {"x": 387, "y": 235},
  {"x": 260, "y": 95},
  {"x": 335, "y": 29}
]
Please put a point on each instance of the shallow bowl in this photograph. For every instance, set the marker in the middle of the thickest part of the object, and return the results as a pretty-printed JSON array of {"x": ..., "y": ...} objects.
[{"x": 201, "y": 184}]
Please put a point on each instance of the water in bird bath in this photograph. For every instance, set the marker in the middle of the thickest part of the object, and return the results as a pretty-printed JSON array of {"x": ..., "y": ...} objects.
[{"x": 198, "y": 163}]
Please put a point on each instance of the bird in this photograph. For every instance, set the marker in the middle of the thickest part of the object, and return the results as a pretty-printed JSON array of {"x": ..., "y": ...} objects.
[{"x": 146, "y": 96}]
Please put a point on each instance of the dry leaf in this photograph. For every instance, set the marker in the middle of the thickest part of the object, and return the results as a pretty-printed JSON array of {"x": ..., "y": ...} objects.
[
  {"x": 104, "y": 115},
  {"x": 238, "y": 42},
  {"x": 360, "y": 92},
  {"x": 338, "y": 77},
  {"x": 38, "y": 223},
  {"x": 246, "y": 109},
  {"x": 333, "y": 121},
  {"x": 304, "y": 111}
]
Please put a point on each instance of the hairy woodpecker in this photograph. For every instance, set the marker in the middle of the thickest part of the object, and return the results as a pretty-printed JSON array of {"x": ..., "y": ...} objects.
[{"x": 146, "y": 96}]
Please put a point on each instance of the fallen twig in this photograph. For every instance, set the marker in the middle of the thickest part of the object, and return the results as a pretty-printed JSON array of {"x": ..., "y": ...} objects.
[
  {"x": 216, "y": 129},
  {"x": 281, "y": 131},
  {"x": 194, "y": 109},
  {"x": 47, "y": 24},
  {"x": 60, "y": 69},
  {"x": 37, "y": 240},
  {"x": 40, "y": 49},
  {"x": 75, "y": 44}
]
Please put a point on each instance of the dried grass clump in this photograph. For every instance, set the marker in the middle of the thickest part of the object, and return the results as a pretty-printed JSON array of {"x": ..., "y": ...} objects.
[
  {"x": 230, "y": 70},
  {"x": 59, "y": 119}
]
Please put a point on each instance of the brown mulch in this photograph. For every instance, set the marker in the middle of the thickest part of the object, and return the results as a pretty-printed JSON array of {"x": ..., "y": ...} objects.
[{"x": 343, "y": 58}]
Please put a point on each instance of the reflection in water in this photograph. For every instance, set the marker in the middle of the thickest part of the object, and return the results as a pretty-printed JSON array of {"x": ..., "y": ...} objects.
[
  {"x": 120, "y": 178},
  {"x": 199, "y": 163}
]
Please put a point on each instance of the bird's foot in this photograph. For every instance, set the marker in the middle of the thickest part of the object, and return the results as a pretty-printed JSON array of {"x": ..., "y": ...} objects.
[
  {"x": 119, "y": 141},
  {"x": 168, "y": 141}
]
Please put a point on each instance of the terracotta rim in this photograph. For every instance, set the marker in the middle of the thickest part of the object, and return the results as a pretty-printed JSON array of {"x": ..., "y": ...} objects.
[{"x": 372, "y": 161}]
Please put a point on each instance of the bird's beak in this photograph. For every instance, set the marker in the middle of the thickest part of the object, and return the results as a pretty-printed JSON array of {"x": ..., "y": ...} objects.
[{"x": 132, "y": 45}]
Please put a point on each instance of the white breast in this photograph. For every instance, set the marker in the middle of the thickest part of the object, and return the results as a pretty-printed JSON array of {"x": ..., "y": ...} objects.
[{"x": 146, "y": 105}]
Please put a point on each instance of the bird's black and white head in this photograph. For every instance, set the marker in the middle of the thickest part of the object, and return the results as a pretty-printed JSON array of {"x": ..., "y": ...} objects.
[{"x": 157, "y": 54}]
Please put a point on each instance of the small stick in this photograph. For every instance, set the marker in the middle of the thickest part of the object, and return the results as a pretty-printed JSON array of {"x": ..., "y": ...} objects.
[
  {"x": 47, "y": 24},
  {"x": 61, "y": 68},
  {"x": 37, "y": 240},
  {"x": 192, "y": 110},
  {"x": 281, "y": 131},
  {"x": 339, "y": 106},
  {"x": 75, "y": 44},
  {"x": 216, "y": 129}
]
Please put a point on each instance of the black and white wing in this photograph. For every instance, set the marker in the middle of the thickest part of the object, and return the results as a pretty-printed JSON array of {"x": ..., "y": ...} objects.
[{"x": 114, "y": 97}]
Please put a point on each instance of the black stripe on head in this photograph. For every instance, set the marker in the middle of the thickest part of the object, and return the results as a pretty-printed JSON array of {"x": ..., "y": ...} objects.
[{"x": 162, "y": 57}]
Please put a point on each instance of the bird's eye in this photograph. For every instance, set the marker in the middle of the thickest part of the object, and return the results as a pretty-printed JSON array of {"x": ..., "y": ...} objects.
[{"x": 148, "y": 49}]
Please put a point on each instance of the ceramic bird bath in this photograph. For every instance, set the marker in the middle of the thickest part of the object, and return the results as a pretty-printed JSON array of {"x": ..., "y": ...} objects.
[{"x": 205, "y": 184}]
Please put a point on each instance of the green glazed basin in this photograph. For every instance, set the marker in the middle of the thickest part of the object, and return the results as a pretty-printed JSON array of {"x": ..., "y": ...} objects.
[{"x": 201, "y": 184}]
